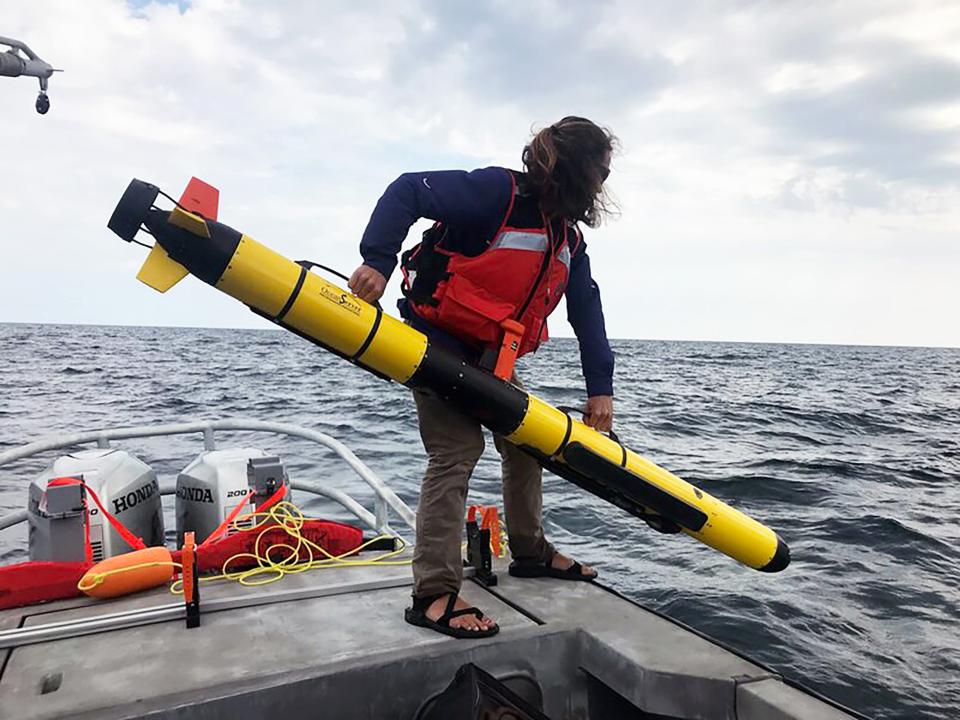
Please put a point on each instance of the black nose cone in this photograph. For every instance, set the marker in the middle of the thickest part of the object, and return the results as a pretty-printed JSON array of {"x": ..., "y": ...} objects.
[{"x": 132, "y": 208}]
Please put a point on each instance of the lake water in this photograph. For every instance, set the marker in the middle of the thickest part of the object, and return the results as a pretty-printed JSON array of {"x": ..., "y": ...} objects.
[{"x": 851, "y": 453}]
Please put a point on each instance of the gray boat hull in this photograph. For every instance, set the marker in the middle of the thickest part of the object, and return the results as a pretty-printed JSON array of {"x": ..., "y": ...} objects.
[{"x": 348, "y": 654}]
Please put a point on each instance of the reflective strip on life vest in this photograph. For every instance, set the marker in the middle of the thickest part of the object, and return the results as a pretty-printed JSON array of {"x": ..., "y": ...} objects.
[
  {"x": 564, "y": 256},
  {"x": 518, "y": 240}
]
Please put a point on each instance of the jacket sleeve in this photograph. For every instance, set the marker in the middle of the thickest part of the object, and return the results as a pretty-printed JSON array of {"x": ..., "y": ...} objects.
[
  {"x": 585, "y": 314},
  {"x": 467, "y": 199}
]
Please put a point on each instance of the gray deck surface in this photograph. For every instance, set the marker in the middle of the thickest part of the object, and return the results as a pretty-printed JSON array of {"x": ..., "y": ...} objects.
[{"x": 304, "y": 643}]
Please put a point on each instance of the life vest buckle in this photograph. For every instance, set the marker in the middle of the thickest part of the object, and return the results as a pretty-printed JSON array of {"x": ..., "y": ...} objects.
[{"x": 502, "y": 361}]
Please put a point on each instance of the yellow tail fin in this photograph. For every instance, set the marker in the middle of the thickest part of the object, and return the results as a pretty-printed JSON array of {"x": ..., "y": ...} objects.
[
  {"x": 159, "y": 271},
  {"x": 189, "y": 222}
]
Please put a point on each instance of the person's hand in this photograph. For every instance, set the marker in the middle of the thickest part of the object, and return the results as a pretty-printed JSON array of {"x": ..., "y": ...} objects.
[
  {"x": 367, "y": 284},
  {"x": 599, "y": 412}
]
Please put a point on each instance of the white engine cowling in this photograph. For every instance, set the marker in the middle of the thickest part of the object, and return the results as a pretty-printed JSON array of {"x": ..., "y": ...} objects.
[
  {"x": 126, "y": 486},
  {"x": 216, "y": 481}
]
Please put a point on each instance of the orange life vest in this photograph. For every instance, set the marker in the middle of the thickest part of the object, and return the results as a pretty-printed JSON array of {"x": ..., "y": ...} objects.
[{"x": 521, "y": 276}]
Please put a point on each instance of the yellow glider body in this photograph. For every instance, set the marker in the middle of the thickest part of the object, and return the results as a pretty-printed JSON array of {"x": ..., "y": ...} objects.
[{"x": 287, "y": 293}]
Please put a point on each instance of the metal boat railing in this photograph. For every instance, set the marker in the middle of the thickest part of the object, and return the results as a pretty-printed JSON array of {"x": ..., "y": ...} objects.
[{"x": 384, "y": 498}]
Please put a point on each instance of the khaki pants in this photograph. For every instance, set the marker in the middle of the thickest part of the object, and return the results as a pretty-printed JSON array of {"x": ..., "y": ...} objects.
[{"x": 454, "y": 443}]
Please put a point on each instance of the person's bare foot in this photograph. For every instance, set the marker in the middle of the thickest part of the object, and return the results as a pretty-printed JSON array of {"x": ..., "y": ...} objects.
[
  {"x": 559, "y": 561},
  {"x": 466, "y": 622}
]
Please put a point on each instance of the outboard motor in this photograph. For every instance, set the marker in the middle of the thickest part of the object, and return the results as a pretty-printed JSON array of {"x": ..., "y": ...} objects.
[
  {"x": 126, "y": 486},
  {"x": 212, "y": 485}
]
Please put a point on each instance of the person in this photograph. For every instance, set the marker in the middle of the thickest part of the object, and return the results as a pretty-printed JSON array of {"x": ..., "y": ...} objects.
[{"x": 505, "y": 246}]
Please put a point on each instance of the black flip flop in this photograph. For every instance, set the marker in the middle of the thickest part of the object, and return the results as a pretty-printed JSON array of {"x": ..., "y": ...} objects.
[
  {"x": 417, "y": 615},
  {"x": 527, "y": 569}
]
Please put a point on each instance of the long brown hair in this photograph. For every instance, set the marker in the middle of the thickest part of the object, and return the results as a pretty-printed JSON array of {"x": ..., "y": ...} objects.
[{"x": 565, "y": 165}]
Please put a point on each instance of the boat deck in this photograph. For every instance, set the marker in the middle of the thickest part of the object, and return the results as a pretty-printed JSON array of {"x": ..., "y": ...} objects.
[{"x": 349, "y": 654}]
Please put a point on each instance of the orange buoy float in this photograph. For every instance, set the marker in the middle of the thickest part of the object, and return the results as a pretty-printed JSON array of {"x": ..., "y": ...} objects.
[{"x": 128, "y": 573}]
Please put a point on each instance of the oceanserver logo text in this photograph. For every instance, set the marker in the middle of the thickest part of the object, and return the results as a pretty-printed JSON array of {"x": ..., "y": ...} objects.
[
  {"x": 134, "y": 498},
  {"x": 342, "y": 299},
  {"x": 195, "y": 494}
]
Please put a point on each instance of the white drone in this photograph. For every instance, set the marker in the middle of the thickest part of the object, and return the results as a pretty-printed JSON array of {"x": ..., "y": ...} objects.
[{"x": 13, "y": 64}]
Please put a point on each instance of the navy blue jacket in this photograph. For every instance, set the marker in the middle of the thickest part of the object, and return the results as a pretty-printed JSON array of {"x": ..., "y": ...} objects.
[{"x": 472, "y": 205}]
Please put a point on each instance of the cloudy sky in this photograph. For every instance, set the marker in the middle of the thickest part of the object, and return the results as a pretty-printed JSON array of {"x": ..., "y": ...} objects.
[{"x": 790, "y": 170}]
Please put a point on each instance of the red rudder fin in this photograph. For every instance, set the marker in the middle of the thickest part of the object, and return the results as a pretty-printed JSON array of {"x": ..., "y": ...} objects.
[{"x": 201, "y": 198}]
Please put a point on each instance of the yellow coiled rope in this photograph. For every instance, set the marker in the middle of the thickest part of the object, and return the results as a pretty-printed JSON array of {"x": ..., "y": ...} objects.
[{"x": 288, "y": 517}]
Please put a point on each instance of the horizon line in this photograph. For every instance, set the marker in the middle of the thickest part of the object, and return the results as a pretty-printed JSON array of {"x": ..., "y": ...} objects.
[{"x": 553, "y": 337}]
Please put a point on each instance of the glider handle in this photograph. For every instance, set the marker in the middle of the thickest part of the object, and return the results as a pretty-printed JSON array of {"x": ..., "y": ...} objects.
[
  {"x": 570, "y": 409},
  {"x": 310, "y": 264}
]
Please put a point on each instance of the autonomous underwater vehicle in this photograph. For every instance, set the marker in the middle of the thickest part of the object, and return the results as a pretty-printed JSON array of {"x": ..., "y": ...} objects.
[{"x": 189, "y": 240}]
